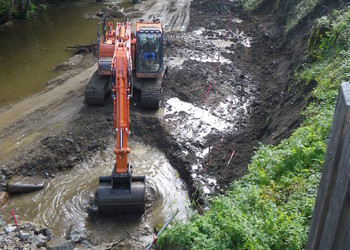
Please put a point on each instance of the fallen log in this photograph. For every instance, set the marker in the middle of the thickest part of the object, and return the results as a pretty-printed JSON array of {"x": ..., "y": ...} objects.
[
  {"x": 25, "y": 184},
  {"x": 83, "y": 48}
]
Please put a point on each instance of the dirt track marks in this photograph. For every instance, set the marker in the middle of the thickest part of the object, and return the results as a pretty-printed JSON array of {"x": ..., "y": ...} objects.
[{"x": 174, "y": 15}]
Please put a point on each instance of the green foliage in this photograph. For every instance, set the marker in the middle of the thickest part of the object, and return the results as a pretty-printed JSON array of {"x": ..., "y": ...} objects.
[
  {"x": 4, "y": 5},
  {"x": 330, "y": 35},
  {"x": 17, "y": 12},
  {"x": 271, "y": 207},
  {"x": 301, "y": 9},
  {"x": 293, "y": 11},
  {"x": 42, "y": 6},
  {"x": 31, "y": 11},
  {"x": 250, "y": 5}
]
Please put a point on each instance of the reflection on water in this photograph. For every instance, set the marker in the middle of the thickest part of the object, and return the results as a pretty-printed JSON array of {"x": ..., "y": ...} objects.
[
  {"x": 62, "y": 205},
  {"x": 30, "y": 49}
]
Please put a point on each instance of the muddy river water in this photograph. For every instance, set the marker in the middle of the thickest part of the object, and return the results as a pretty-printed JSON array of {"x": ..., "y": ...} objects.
[
  {"x": 63, "y": 204},
  {"x": 29, "y": 50}
]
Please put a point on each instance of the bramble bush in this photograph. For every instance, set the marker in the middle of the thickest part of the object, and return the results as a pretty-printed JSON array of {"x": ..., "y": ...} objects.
[{"x": 271, "y": 207}]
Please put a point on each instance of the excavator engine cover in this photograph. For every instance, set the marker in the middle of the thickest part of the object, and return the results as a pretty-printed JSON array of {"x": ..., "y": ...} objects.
[{"x": 121, "y": 193}]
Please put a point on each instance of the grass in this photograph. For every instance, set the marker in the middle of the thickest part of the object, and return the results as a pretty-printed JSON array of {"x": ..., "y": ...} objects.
[{"x": 271, "y": 207}]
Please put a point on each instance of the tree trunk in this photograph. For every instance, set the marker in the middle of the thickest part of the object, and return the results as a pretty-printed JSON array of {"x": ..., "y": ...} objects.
[
  {"x": 27, "y": 8},
  {"x": 9, "y": 11},
  {"x": 21, "y": 8}
]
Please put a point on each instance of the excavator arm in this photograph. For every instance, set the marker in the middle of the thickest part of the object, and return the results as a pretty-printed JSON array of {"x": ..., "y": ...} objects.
[
  {"x": 121, "y": 63},
  {"x": 122, "y": 192}
]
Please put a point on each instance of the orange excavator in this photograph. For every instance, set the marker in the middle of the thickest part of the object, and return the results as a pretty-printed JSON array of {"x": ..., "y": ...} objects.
[
  {"x": 146, "y": 58},
  {"x": 121, "y": 191}
]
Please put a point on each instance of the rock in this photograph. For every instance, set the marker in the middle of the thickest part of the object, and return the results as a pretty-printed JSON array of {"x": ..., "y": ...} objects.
[
  {"x": 92, "y": 145},
  {"x": 77, "y": 148},
  {"x": 59, "y": 244},
  {"x": 3, "y": 186},
  {"x": 38, "y": 240},
  {"x": 45, "y": 231},
  {"x": 2, "y": 222},
  {"x": 110, "y": 118},
  {"x": 3, "y": 198},
  {"x": 24, "y": 235},
  {"x": 6, "y": 171},
  {"x": 25, "y": 184},
  {"x": 77, "y": 236},
  {"x": 68, "y": 139},
  {"x": 10, "y": 229}
]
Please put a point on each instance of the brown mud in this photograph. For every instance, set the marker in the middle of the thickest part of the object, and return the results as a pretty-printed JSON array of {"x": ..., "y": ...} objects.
[{"x": 259, "y": 74}]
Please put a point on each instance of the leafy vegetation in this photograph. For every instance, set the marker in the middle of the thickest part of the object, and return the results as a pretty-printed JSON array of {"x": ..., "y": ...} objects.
[
  {"x": 293, "y": 11},
  {"x": 4, "y": 5},
  {"x": 271, "y": 207},
  {"x": 24, "y": 9},
  {"x": 250, "y": 5},
  {"x": 298, "y": 10}
]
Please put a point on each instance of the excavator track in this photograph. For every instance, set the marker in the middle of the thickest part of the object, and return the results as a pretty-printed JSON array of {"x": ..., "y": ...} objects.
[
  {"x": 96, "y": 89},
  {"x": 151, "y": 97}
]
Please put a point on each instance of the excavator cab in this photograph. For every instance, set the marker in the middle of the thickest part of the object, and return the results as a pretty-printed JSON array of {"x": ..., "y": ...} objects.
[
  {"x": 150, "y": 58},
  {"x": 149, "y": 49}
]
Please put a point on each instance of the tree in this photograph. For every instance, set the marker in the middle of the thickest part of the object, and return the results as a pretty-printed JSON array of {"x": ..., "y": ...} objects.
[
  {"x": 9, "y": 12},
  {"x": 27, "y": 8},
  {"x": 20, "y": 8}
]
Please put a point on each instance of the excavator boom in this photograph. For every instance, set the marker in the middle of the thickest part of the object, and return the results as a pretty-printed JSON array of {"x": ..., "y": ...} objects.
[{"x": 122, "y": 192}]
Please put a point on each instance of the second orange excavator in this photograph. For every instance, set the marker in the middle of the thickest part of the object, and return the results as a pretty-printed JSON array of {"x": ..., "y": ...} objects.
[{"x": 121, "y": 191}]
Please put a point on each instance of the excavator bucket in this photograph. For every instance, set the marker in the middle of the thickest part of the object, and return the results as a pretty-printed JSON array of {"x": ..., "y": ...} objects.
[{"x": 121, "y": 194}]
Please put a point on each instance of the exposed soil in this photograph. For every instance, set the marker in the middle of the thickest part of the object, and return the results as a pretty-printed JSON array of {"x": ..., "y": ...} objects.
[{"x": 260, "y": 74}]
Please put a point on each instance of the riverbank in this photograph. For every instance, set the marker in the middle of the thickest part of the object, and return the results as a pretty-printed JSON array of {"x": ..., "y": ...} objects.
[
  {"x": 220, "y": 100},
  {"x": 272, "y": 205}
]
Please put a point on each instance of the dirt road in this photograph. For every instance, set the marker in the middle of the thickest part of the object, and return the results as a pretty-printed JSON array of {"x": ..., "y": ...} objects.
[
  {"x": 33, "y": 118},
  {"x": 175, "y": 15},
  {"x": 25, "y": 122}
]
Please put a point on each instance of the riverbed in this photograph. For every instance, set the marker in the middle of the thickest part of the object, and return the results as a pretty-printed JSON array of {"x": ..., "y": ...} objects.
[{"x": 63, "y": 205}]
